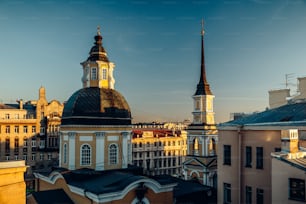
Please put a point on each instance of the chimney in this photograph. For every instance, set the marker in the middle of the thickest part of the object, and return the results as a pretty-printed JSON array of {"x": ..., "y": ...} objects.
[
  {"x": 290, "y": 140},
  {"x": 278, "y": 97},
  {"x": 20, "y": 104}
]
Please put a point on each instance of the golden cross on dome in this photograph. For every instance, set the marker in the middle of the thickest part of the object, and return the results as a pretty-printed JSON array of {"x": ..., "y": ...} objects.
[
  {"x": 98, "y": 30},
  {"x": 202, "y": 23}
]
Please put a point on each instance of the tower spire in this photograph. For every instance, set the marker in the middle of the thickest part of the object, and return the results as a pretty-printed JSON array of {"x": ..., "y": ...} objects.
[{"x": 203, "y": 86}]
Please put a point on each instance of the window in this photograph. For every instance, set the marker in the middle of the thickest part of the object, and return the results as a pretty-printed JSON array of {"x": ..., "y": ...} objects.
[
  {"x": 296, "y": 189},
  {"x": 248, "y": 156},
  {"x": 16, "y": 116},
  {"x": 248, "y": 195},
  {"x": 7, "y": 116},
  {"x": 7, "y": 145},
  {"x": 33, "y": 143},
  {"x": 33, "y": 129},
  {"x": 259, "y": 157},
  {"x": 33, "y": 157},
  {"x": 25, "y": 142},
  {"x": 112, "y": 154},
  {"x": 16, "y": 129},
  {"x": 65, "y": 153},
  {"x": 25, "y": 157},
  {"x": 148, "y": 144},
  {"x": 16, "y": 145},
  {"x": 140, "y": 144},
  {"x": 25, "y": 129},
  {"x": 41, "y": 156},
  {"x": 85, "y": 155},
  {"x": 42, "y": 130},
  {"x": 104, "y": 76},
  {"x": 227, "y": 155},
  {"x": 148, "y": 154},
  {"x": 94, "y": 73},
  {"x": 49, "y": 156},
  {"x": 7, "y": 129},
  {"x": 42, "y": 144},
  {"x": 197, "y": 105},
  {"x": 259, "y": 196},
  {"x": 227, "y": 193}
]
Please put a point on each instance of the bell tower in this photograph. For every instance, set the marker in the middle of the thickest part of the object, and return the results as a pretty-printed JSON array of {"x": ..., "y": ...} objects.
[
  {"x": 202, "y": 138},
  {"x": 203, "y": 112},
  {"x": 97, "y": 69}
]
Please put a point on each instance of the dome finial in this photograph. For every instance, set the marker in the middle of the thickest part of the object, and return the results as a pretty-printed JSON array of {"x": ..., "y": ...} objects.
[
  {"x": 98, "y": 30},
  {"x": 202, "y": 23}
]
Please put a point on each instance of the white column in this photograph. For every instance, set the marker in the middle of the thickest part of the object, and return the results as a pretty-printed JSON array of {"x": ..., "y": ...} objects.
[
  {"x": 60, "y": 149},
  {"x": 100, "y": 138},
  {"x": 72, "y": 152},
  {"x": 124, "y": 149}
]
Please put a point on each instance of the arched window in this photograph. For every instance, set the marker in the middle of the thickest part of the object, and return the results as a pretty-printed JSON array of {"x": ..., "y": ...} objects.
[
  {"x": 113, "y": 154},
  {"x": 195, "y": 146},
  {"x": 65, "y": 153},
  {"x": 85, "y": 155}
]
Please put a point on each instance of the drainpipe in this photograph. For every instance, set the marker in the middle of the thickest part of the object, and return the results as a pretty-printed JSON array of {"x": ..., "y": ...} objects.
[{"x": 239, "y": 162}]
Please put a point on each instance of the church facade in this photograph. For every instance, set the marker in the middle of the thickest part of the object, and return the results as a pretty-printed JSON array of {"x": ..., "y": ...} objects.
[
  {"x": 95, "y": 145},
  {"x": 202, "y": 138}
]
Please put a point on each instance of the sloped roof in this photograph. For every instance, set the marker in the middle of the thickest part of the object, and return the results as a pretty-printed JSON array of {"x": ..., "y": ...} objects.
[
  {"x": 52, "y": 196},
  {"x": 290, "y": 114}
]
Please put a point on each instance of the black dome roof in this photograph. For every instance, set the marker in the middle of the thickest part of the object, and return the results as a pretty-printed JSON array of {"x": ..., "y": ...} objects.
[{"x": 96, "y": 106}]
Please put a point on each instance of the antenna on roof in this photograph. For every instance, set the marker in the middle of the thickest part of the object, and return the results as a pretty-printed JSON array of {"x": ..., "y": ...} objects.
[{"x": 288, "y": 78}]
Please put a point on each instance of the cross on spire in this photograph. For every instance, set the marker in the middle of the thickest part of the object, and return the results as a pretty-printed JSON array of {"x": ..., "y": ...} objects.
[
  {"x": 98, "y": 30},
  {"x": 202, "y": 31}
]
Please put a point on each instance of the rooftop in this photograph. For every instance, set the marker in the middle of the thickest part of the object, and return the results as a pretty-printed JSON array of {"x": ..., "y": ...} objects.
[{"x": 290, "y": 114}]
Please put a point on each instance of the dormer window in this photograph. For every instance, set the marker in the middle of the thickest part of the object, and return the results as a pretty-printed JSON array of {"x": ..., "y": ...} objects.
[{"x": 94, "y": 73}]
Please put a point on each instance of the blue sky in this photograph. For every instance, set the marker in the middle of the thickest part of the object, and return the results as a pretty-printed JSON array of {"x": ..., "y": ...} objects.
[{"x": 249, "y": 47}]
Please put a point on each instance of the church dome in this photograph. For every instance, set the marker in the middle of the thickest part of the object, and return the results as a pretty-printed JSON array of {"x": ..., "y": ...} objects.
[{"x": 96, "y": 106}]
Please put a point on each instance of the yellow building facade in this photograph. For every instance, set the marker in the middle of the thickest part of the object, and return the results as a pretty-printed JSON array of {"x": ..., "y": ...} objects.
[
  {"x": 12, "y": 184},
  {"x": 29, "y": 131},
  {"x": 159, "y": 150}
]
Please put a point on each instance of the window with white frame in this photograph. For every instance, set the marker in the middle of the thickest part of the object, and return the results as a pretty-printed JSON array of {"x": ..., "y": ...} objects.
[
  {"x": 25, "y": 129},
  {"x": 104, "y": 74},
  {"x": 7, "y": 129},
  {"x": 42, "y": 144},
  {"x": 41, "y": 156},
  {"x": 25, "y": 142},
  {"x": 25, "y": 157},
  {"x": 65, "y": 153},
  {"x": 16, "y": 129},
  {"x": 33, "y": 143},
  {"x": 33, "y": 157},
  {"x": 33, "y": 129},
  {"x": 85, "y": 155},
  {"x": 113, "y": 154},
  {"x": 94, "y": 73}
]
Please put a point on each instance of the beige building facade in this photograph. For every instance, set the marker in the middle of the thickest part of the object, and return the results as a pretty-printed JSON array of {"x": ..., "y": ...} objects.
[
  {"x": 288, "y": 169},
  {"x": 244, "y": 149}
]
